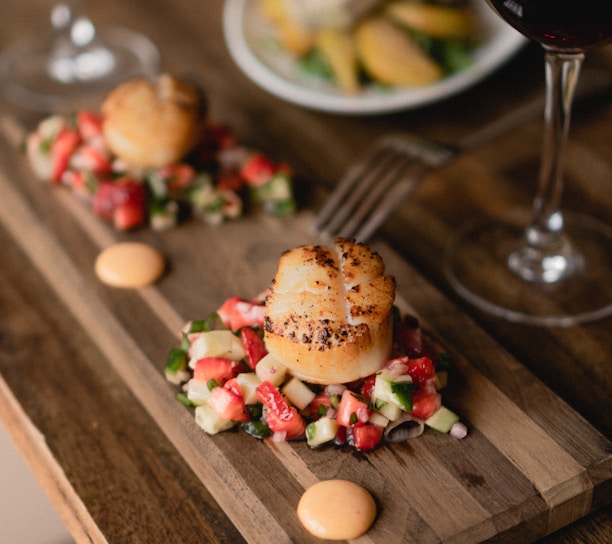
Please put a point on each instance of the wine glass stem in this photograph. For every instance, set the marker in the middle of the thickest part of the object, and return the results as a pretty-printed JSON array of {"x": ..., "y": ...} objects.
[{"x": 547, "y": 255}]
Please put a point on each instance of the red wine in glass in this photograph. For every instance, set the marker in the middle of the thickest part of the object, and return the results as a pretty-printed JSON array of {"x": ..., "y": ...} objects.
[
  {"x": 559, "y": 24},
  {"x": 554, "y": 269}
]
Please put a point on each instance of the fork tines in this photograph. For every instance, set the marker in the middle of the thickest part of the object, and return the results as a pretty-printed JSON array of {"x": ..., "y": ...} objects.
[{"x": 373, "y": 187}]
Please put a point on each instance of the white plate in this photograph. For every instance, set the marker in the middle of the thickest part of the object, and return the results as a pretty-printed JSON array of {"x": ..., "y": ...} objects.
[{"x": 248, "y": 40}]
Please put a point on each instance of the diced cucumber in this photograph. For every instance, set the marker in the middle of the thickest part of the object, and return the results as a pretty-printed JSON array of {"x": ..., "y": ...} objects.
[
  {"x": 163, "y": 215},
  {"x": 198, "y": 391},
  {"x": 298, "y": 393},
  {"x": 403, "y": 392},
  {"x": 384, "y": 384},
  {"x": 157, "y": 185},
  {"x": 321, "y": 431},
  {"x": 50, "y": 127},
  {"x": 276, "y": 196},
  {"x": 376, "y": 418},
  {"x": 442, "y": 420},
  {"x": 210, "y": 421},
  {"x": 216, "y": 344},
  {"x": 271, "y": 369},
  {"x": 390, "y": 410},
  {"x": 277, "y": 188},
  {"x": 248, "y": 382}
]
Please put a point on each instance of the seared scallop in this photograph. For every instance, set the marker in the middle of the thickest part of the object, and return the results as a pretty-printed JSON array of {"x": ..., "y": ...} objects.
[{"x": 329, "y": 312}]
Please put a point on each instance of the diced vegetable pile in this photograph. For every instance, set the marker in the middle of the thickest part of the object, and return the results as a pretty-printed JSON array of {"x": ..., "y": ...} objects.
[
  {"x": 213, "y": 183},
  {"x": 226, "y": 374}
]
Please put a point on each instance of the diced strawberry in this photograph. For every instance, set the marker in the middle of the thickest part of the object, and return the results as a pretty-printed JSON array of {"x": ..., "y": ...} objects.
[
  {"x": 123, "y": 201},
  {"x": 353, "y": 410},
  {"x": 73, "y": 179},
  {"x": 236, "y": 313},
  {"x": 421, "y": 369},
  {"x": 129, "y": 190},
  {"x": 82, "y": 184},
  {"x": 220, "y": 369},
  {"x": 367, "y": 437},
  {"x": 271, "y": 397},
  {"x": 425, "y": 403},
  {"x": 229, "y": 181},
  {"x": 233, "y": 385},
  {"x": 89, "y": 124},
  {"x": 104, "y": 201},
  {"x": 61, "y": 150},
  {"x": 93, "y": 159},
  {"x": 257, "y": 170},
  {"x": 319, "y": 406},
  {"x": 253, "y": 345},
  {"x": 292, "y": 425},
  {"x": 341, "y": 436},
  {"x": 368, "y": 387},
  {"x": 177, "y": 176},
  {"x": 281, "y": 416},
  {"x": 129, "y": 216},
  {"x": 228, "y": 404}
]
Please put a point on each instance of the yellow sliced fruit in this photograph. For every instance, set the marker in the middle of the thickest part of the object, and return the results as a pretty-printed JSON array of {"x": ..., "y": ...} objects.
[
  {"x": 390, "y": 56},
  {"x": 338, "y": 48},
  {"x": 273, "y": 10},
  {"x": 296, "y": 39},
  {"x": 434, "y": 20}
]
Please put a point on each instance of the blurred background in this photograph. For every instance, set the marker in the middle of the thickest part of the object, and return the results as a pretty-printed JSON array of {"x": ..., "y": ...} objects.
[{"x": 26, "y": 515}]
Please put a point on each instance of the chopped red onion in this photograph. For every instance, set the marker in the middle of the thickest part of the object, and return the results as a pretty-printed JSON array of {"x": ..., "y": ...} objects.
[{"x": 458, "y": 430}]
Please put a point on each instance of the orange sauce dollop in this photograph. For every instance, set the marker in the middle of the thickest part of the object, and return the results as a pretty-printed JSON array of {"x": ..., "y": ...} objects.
[
  {"x": 129, "y": 265},
  {"x": 336, "y": 510}
]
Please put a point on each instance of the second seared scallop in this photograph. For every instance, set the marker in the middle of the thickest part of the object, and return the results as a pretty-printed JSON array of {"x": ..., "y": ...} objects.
[
  {"x": 328, "y": 316},
  {"x": 153, "y": 123}
]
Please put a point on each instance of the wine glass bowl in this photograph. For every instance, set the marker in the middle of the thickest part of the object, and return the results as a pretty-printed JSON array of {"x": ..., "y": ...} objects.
[
  {"x": 555, "y": 268},
  {"x": 71, "y": 65}
]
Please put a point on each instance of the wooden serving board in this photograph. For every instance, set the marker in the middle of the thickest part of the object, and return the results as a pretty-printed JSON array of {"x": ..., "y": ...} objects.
[{"x": 529, "y": 465}]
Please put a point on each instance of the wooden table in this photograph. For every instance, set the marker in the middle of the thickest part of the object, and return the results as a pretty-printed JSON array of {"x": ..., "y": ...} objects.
[{"x": 81, "y": 383}]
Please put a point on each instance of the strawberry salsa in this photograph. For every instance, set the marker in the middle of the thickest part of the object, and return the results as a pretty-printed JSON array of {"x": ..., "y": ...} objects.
[
  {"x": 213, "y": 183},
  {"x": 227, "y": 376}
]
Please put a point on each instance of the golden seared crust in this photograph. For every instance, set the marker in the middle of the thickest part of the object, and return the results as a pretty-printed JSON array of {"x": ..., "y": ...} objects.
[
  {"x": 329, "y": 312},
  {"x": 358, "y": 262},
  {"x": 153, "y": 122}
]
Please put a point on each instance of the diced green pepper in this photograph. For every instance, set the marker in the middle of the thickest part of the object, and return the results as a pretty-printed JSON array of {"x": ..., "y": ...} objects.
[
  {"x": 176, "y": 366},
  {"x": 256, "y": 428},
  {"x": 182, "y": 398}
]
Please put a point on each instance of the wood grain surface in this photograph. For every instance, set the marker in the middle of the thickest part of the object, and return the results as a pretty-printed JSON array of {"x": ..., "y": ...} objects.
[{"x": 81, "y": 364}]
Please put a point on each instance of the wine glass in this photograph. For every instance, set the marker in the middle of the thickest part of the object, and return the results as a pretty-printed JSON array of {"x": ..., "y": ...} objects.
[
  {"x": 74, "y": 63},
  {"x": 556, "y": 270}
]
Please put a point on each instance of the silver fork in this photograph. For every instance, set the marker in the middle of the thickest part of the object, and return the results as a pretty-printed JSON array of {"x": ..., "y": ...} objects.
[{"x": 377, "y": 184}]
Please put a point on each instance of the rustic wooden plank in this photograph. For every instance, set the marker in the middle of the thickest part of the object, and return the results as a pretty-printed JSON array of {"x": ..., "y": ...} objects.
[{"x": 448, "y": 510}]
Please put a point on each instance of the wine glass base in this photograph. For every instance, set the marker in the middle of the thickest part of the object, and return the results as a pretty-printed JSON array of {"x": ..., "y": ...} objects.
[
  {"x": 26, "y": 79},
  {"x": 476, "y": 265}
]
